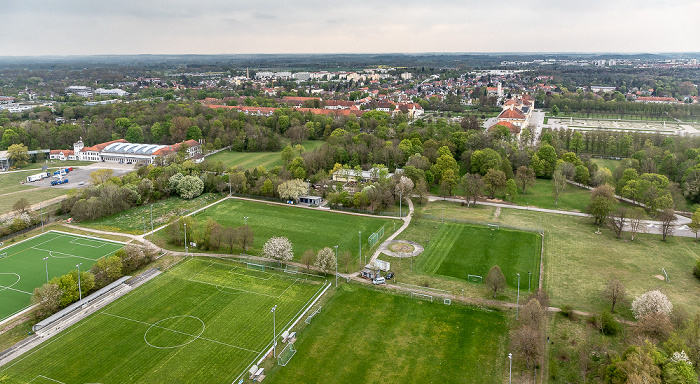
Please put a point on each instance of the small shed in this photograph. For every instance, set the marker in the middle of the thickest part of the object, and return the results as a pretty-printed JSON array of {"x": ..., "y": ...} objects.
[
  {"x": 312, "y": 200},
  {"x": 368, "y": 273}
]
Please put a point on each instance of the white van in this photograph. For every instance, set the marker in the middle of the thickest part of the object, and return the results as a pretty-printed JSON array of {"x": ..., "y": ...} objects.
[{"x": 379, "y": 280}]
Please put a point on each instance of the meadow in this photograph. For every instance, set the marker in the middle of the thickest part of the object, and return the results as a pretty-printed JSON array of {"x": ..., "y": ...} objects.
[
  {"x": 306, "y": 228},
  {"x": 250, "y": 160},
  {"x": 204, "y": 321},
  {"x": 363, "y": 335}
]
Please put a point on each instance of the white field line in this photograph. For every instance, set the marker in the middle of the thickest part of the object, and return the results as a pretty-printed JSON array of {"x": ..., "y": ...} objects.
[
  {"x": 51, "y": 253},
  {"x": 45, "y": 378},
  {"x": 31, "y": 238},
  {"x": 87, "y": 237},
  {"x": 77, "y": 242},
  {"x": 182, "y": 333}
]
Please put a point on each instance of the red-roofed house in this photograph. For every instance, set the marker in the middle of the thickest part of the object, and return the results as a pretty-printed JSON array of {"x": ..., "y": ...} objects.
[{"x": 61, "y": 154}]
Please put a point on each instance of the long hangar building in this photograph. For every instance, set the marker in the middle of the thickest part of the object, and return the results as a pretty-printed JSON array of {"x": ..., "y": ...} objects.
[{"x": 121, "y": 151}]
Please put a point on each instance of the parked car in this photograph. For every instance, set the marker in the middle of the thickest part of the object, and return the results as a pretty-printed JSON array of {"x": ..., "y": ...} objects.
[
  {"x": 389, "y": 275},
  {"x": 379, "y": 280}
]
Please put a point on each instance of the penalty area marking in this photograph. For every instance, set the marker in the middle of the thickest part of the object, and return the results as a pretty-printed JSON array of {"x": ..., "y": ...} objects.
[
  {"x": 45, "y": 378},
  {"x": 3, "y": 287}
]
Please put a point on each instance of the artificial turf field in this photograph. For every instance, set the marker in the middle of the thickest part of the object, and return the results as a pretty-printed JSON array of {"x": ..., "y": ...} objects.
[
  {"x": 204, "y": 321},
  {"x": 24, "y": 268},
  {"x": 305, "y": 228},
  {"x": 459, "y": 250},
  {"x": 363, "y": 335}
]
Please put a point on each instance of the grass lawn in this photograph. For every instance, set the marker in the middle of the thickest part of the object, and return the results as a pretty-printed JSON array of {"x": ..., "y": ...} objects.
[
  {"x": 23, "y": 268},
  {"x": 250, "y": 160},
  {"x": 368, "y": 336},
  {"x": 541, "y": 195},
  {"x": 578, "y": 262},
  {"x": 34, "y": 196},
  {"x": 611, "y": 164},
  {"x": 184, "y": 326},
  {"x": 305, "y": 228},
  {"x": 132, "y": 220},
  {"x": 11, "y": 182}
]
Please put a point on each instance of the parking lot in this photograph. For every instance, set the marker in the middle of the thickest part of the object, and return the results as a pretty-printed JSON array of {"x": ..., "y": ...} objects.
[{"x": 82, "y": 175}]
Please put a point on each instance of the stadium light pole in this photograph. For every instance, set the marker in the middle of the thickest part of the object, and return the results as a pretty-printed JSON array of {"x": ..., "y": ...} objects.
[
  {"x": 80, "y": 291},
  {"x": 46, "y": 261},
  {"x": 229, "y": 184},
  {"x": 274, "y": 331},
  {"x": 41, "y": 211},
  {"x": 510, "y": 368},
  {"x": 360, "y": 248},
  {"x": 151, "y": 223},
  {"x": 246, "y": 220},
  {"x": 517, "y": 303},
  {"x": 336, "y": 265},
  {"x": 185, "y": 224},
  {"x": 400, "y": 198},
  {"x": 529, "y": 274}
]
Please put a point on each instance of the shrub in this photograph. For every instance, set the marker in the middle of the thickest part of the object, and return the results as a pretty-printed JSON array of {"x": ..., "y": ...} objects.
[
  {"x": 696, "y": 270},
  {"x": 608, "y": 325},
  {"x": 568, "y": 311},
  {"x": 651, "y": 302}
]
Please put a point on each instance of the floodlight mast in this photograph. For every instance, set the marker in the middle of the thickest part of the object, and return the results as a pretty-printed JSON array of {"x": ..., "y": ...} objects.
[
  {"x": 46, "y": 261},
  {"x": 80, "y": 291},
  {"x": 510, "y": 368},
  {"x": 336, "y": 265},
  {"x": 517, "y": 303},
  {"x": 274, "y": 331}
]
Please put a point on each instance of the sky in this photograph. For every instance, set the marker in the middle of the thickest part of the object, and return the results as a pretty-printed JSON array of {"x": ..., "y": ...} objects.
[{"x": 93, "y": 27}]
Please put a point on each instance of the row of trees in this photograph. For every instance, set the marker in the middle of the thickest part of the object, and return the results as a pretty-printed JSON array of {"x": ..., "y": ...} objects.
[{"x": 61, "y": 291}]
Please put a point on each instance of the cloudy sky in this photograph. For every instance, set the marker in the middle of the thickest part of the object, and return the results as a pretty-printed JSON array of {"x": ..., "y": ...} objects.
[{"x": 86, "y": 27}]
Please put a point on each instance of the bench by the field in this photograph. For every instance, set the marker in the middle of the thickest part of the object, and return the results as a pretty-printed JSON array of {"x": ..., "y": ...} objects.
[{"x": 256, "y": 374}]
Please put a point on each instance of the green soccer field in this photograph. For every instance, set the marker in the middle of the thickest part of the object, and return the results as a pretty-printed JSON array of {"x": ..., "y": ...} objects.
[
  {"x": 205, "y": 321},
  {"x": 460, "y": 250},
  {"x": 22, "y": 268},
  {"x": 364, "y": 335},
  {"x": 305, "y": 228}
]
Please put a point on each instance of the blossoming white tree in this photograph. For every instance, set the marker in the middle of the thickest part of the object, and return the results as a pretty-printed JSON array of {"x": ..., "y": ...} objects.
[
  {"x": 651, "y": 302},
  {"x": 279, "y": 248},
  {"x": 325, "y": 260}
]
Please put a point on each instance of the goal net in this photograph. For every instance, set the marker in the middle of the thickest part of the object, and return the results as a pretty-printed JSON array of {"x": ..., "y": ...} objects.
[
  {"x": 291, "y": 269},
  {"x": 286, "y": 354},
  {"x": 256, "y": 267},
  {"x": 475, "y": 279},
  {"x": 3, "y": 255},
  {"x": 493, "y": 226},
  {"x": 421, "y": 296}
]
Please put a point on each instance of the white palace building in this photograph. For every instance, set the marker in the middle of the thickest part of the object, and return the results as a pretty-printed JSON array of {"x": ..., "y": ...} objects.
[{"x": 121, "y": 151}]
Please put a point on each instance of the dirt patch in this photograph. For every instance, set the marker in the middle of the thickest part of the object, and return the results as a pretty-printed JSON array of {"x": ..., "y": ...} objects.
[
  {"x": 401, "y": 247},
  {"x": 497, "y": 213},
  {"x": 660, "y": 277}
]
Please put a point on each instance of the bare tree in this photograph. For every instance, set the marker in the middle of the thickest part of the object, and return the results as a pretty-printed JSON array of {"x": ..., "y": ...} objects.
[
  {"x": 244, "y": 236},
  {"x": 532, "y": 314},
  {"x": 495, "y": 280},
  {"x": 635, "y": 220},
  {"x": 667, "y": 218},
  {"x": 308, "y": 258},
  {"x": 524, "y": 177},
  {"x": 614, "y": 292},
  {"x": 559, "y": 181},
  {"x": 528, "y": 344},
  {"x": 21, "y": 206},
  {"x": 617, "y": 220},
  {"x": 473, "y": 186}
]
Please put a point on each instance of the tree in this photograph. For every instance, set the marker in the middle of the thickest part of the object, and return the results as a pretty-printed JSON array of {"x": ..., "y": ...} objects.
[
  {"x": 524, "y": 177},
  {"x": 193, "y": 133},
  {"x": 495, "y": 280},
  {"x": 694, "y": 224},
  {"x": 325, "y": 260},
  {"x": 602, "y": 203},
  {"x": 106, "y": 270},
  {"x": 100, "y": 176},
  {"x": 528, "y": 344},
  {"x": 548, "y": 155},
  {"x": 345, "y": 259},
  {"x": 636, "y": 216},
  {"x": 48, "y": 297},
  {"x": 667, "y": 217},
  {"x": 614, "y": 292},
  {"x": 494, "y": 181},
  {"x": 278, "y": 248},
  {"x": 404, "y": 187},
  {"x": 601, "y": 176},
  {"x": 244, "y": 236},
  {"x": 292, "y": 189},
  {"x": 532, "y": 314},
  {"x": 308, "y": 258},
  {"x": 473, "y": 186},
  {"x": 447, "y": 183},
  {"x": 582, "y": 175},
  {"x": 190, "y": 187},
  {"x": 134, "y": 134},
  {"x": 484, "y": 159},
  {"x": 21, "y": 206},
  {"x": 559, "y": 181},
  {"x": 653, "y": 301},
  {"x": 18, "y": 154},
  {"x": 511, "y": 189},
  {"x": 617, "y": 220}
]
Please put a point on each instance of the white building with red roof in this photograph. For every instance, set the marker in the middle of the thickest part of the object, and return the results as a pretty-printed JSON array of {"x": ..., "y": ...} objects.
[{"x": 121, "y": 151}]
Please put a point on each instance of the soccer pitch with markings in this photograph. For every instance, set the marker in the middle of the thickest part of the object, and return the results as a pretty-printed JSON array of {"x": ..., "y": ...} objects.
[
  {"x": 23, "y": 268},
  {"x": 205, "y": 321}
]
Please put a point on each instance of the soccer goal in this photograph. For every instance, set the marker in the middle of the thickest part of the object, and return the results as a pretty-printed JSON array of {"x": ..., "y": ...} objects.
[
  {"x": 311, "y": 316},
  {"x": 493, "y": 226},
  {"x": 662, "y": 270},
  {"x": 475, "y": 279},
  {"x": 286, "y": 354},
  {"x": 3, "y": 255},
  {"x": 293, "y": 269},
  {"x": 256, "y": 267},
  {"x": 421, "y": 296}
]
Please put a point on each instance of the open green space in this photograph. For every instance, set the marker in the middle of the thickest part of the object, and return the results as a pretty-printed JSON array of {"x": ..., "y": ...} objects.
[
  {"x": 366, "y": 336},
  {"x": 22, "y": 267},
  {"x": 205, "y": 321},
  {"x": 305, "y": 228},
  {"x": 250, "y": 160},
  {"x": 133, "y": 220},
  {"x": 459, "y": 250},
  {"x": 12, "y": 182},
  {"x": 579, "y": 262},
  {"x": 34, "y": 196},
  {"x": 541, "y": 195},
  {"x": 611, "y": 164}
]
